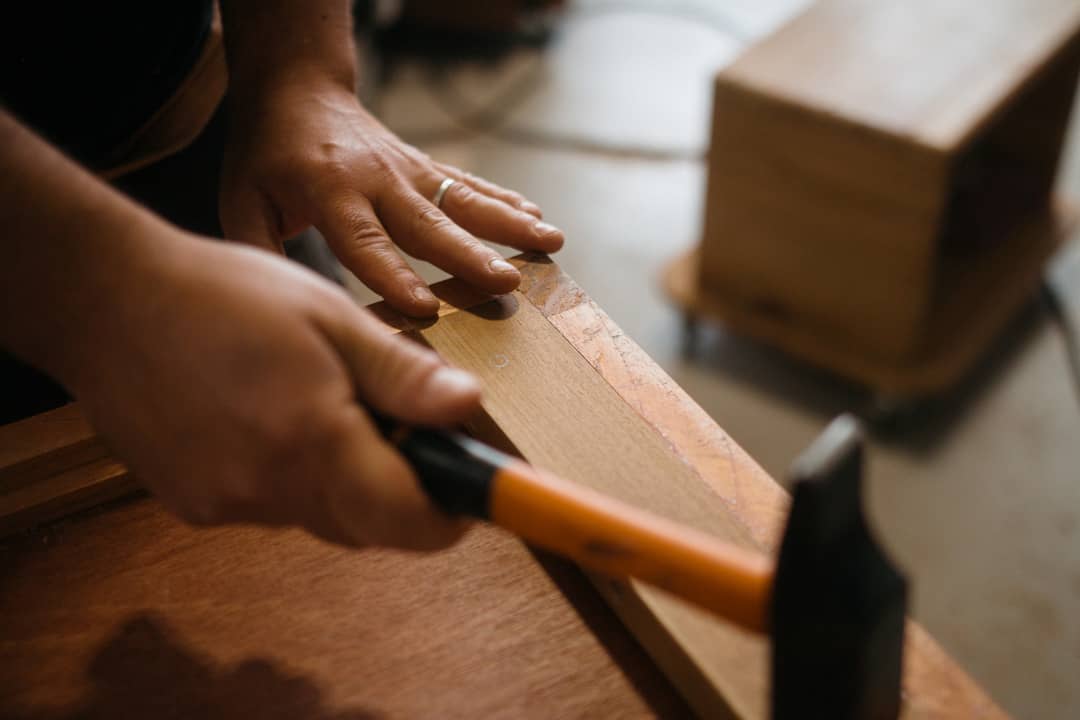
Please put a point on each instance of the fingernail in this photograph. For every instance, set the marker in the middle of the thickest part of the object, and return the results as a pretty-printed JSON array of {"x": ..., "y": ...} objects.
[
  {"x": 543, "y": 228},
  {"x": 424, "y": 295},
  {"x": 454, "y": 380},
  {"x": 501, "y": 266}
]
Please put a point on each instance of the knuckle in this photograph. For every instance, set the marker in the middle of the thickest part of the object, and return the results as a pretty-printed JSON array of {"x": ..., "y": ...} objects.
[
  {"x": 381, "y": 165},
  {"x": 327, "y": 163},
  {"x": 464, "y": 196},
  {"x": 432, "y": 218},
  {"x": 364, "y": 230},
  {"x": 331, "y": 152}
]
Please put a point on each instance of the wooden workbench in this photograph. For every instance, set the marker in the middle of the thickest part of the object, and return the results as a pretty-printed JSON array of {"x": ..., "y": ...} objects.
[{"x": 122, "y": 611}]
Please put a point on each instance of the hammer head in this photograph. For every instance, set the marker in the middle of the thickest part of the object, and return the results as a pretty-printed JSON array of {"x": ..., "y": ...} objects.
[{"x": 838, "y": 603}]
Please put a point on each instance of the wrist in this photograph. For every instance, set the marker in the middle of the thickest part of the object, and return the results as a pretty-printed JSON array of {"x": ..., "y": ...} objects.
[
  {"x": 268, "y": 84},
  {"x": 115, "y": 277},
  {"x": 275, "y": 43}
]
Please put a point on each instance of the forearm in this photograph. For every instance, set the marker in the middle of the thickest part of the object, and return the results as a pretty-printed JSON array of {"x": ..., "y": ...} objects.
[
  {"x": 269, "y": 43},
  {"x": 71, "y": 246}
]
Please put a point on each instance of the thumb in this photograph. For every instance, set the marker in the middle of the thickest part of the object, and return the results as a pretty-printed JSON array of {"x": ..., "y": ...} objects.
[{"x": 399, "y": 377}]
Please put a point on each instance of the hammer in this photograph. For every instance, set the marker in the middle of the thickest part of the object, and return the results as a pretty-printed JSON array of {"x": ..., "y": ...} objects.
[{"x": 832, "y": 602}]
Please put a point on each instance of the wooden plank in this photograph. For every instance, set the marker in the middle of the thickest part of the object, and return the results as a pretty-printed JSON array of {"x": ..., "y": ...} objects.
[
  {"x": 52, "y": 465},
  {"x": 590, "y": 435},
  {"x": 83, "y": 486},
  {"x": 934, "y": 685},
  {"x": 561, "y": 415},
  {"x": 46, "y": 444},
  {"x": 750, "y": 496}
]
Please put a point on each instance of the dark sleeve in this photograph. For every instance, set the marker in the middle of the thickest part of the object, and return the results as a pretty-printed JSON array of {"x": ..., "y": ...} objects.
[{"x": 87, "y": 75}]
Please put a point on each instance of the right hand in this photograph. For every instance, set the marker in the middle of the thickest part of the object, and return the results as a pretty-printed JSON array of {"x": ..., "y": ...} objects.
[{"x": 228, "y": 380}]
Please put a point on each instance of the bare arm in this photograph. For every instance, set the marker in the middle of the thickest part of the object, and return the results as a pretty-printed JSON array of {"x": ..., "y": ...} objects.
[
  {"x": 268, "y": 43},
  {"x": 72, "y": 247}
]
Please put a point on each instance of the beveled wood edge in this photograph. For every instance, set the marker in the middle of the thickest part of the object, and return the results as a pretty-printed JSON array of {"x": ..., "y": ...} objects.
[
  {"x": 728, "y": 469},
  {"x": 543, "y": 282},
  {"x": 43, "y": 444},
  {"x": 933, "y": 681}
]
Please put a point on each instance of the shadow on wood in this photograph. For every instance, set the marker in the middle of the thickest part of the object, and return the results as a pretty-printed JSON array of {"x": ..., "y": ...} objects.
[{"x": 144, "y": 670}]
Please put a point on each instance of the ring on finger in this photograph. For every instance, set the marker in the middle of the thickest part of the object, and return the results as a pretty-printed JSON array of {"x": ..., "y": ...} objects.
[{"x": 441, "y": 192}]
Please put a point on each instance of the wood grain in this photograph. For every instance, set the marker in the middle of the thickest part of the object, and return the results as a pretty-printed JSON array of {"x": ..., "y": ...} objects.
[
  {"x": 934, "y": 686},
  {"x": 128, "y": 613},
  {"x": 564, "y": 417},
  {"x": 52, "y": 465}
]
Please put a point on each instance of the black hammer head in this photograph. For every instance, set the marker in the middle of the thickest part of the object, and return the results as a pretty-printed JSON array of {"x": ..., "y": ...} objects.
[{"x": 838, "y": 603}]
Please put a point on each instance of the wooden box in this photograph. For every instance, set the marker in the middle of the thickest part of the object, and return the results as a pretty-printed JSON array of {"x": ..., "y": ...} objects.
[{"x": 879, "y": 183}]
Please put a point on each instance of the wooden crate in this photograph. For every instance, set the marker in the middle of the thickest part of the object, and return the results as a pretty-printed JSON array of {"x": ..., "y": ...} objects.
[{"x": 879, "y": 183}]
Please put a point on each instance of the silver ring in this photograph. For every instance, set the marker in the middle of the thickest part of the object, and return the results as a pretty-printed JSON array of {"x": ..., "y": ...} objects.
[{"x": 441, "y": 192}]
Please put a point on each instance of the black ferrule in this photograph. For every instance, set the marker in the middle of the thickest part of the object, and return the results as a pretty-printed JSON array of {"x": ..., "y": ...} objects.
[{"x": 455, "y": 470}]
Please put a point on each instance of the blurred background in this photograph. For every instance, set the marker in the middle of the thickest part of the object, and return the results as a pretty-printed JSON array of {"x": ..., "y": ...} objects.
[{"x": 599, "y": 112}]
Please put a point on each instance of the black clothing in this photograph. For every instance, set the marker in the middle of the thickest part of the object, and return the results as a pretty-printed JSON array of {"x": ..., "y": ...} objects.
[{"x": 87, "y": 75}]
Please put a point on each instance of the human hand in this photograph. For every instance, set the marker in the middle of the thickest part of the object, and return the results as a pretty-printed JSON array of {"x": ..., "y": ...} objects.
[
  {"x": 306, "y": 153},
  {"x": 227, "y": 379}
]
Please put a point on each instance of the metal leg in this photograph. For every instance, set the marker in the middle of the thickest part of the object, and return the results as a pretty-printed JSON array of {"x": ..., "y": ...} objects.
[
  {"x": 885, "y": 411},
  {"x": 690, "y": 334}
]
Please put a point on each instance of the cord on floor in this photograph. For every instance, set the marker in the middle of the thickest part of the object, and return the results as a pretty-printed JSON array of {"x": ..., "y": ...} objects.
[{"x": 1069, "y": 333}]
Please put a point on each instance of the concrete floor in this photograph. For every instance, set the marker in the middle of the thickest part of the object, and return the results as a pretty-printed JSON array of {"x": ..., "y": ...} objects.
[{"x": 979, "y": 500}]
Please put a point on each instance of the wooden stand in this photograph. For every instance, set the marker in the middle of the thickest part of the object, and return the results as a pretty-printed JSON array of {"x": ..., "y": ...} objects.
[{"x": 879, "y": 183}]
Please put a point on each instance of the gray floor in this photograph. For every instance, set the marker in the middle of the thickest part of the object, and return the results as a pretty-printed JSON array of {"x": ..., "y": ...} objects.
[{"x": 980, "y": 501}]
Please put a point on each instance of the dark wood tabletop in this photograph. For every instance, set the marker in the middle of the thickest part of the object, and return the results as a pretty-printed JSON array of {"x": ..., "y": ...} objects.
[{"x": 122, "y": 611}]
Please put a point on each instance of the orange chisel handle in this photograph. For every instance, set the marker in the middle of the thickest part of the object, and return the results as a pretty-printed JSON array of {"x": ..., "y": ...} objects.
[{"x": 596, "y": 531}]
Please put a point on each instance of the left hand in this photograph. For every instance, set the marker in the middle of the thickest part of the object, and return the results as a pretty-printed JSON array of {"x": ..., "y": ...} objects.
[{"x": 306, "y": 153}]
